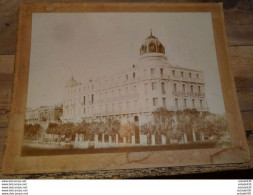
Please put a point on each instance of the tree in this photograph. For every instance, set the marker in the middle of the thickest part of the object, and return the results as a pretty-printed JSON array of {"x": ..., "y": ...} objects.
[
  {"x": 112, "y": 126},
  {"x": 31, "y": 131},
  {"x": 163, "y": 122},
  {"x": 67, "y": 129},
  {"x": 186, "y": 122},
  {"x": 146, "y": 129},
  {"x": 213, "y": 125},
  {"x": 127, "y": 130},
  {"x": 52, "y": 128}
]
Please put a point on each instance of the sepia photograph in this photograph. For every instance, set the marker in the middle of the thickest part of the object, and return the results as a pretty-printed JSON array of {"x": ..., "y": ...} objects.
[
  {"x": 120, "y": 82},
  {"x": 123, "y": 87}
]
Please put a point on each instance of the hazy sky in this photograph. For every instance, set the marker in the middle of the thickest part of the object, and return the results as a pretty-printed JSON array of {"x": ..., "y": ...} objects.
[{"x": 86, "y": 45}]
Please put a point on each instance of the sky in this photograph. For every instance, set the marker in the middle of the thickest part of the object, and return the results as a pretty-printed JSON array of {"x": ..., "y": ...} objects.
[{"x": 87, "y": 45}]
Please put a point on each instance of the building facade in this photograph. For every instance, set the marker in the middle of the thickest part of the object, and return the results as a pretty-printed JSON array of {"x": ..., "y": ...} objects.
[
  {"x": 44, "y": 115},
  {"x": 133, "y": 95}
]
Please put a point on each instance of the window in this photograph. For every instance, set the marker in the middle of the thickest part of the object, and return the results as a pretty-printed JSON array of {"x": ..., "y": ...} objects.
[
  {"x": 182, "y": 74},
  {"x": 126, "y": 90},
  {"x": 155, "y": 101},
  {"x": 176, "y": 102},
  {"x": 146, "y": 88},
  {"x": 161, "y": 71},
  {"x": 92, "y": 98},
  {"x": 126, "y": 77},
  {"x": 119, "y": 92},
  {"x": 152, "y": 71},
  {"x": 163, "y": 89},
  {"x": 146, "y": 103},
  {"x": 190, "y": 75},
  {"x": 135, "y": 104},
  {"x": 154, "y": 86},
  {"x": 201, "y": 104},
  {"x": 134, "y": 88},
  {"x": 175, "y": 87},
  {"x": 199, "y": 89},
  {"x": 151, "y": 47},
  {"x": 185, "y": 103},
  {"x": 173, "y": 72},
  {"x": 119, "y": 106},
  {"x": 193, "y": 103},
  {"x": 197, "y": 75},
  {"x": 134, "y": 75},
  {"x": 183, "y": 88},
  {"x": 191, "y": 88},
  {"x": 84, "y": 100},
  {"x": 164, "y": 102},
  {"x": 84, "y": 110}
]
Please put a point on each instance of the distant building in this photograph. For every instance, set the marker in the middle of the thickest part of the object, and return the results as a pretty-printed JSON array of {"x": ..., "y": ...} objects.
[
  {"x": 133, "y": 95},
  {"x": 44, "y": 115}
]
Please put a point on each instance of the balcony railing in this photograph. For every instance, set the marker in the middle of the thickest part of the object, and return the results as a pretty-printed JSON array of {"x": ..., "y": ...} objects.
[
  {"x": 187, "y": 79},
  {"x": 180, "y": 93}
]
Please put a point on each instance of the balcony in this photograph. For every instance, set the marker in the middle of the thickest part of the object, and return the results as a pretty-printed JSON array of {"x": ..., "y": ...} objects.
[
  {"x": 197, "y": 94},
  {"x": 185, "y": 94},
  {"x": 176, "y": 93},
  {"x": 180, "y": 78},
  {"x": 157, "y": 76}
]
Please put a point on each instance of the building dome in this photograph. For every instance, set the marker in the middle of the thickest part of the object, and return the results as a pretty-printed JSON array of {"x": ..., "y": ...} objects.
[
  {"x": 71, "y": 83},
  {"x": 152, "y": 45}
]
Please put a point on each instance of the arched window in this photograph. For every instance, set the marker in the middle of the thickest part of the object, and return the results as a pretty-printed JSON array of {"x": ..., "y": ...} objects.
[
  {"x": 160, "y": 48},
  {"x": 151, "y": 47}
]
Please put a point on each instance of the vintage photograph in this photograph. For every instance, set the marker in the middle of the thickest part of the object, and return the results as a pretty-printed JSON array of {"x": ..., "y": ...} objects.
[{"x": 116, "y": 82}]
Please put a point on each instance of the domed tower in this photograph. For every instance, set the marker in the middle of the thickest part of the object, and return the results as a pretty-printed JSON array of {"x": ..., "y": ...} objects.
[
  {"x": 71, "y": 83},
  {"x": 152, "y": 52},
  {"x": 152, "y": 45}
]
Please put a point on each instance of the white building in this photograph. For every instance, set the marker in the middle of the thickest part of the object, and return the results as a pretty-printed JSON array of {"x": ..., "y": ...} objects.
[{"x": 149, "y": 84}]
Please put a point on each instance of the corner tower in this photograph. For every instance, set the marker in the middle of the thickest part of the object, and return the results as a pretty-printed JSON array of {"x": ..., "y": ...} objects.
[
  {"x": 152, "y": 52},
  {"x": 152, "y": 45}
]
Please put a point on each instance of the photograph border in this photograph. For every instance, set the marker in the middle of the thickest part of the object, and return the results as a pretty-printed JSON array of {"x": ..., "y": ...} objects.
[{"x": 14, "y": 163}]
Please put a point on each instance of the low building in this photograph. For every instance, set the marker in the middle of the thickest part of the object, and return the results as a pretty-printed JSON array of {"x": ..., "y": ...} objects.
[{"x": 44, "y": 115}]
